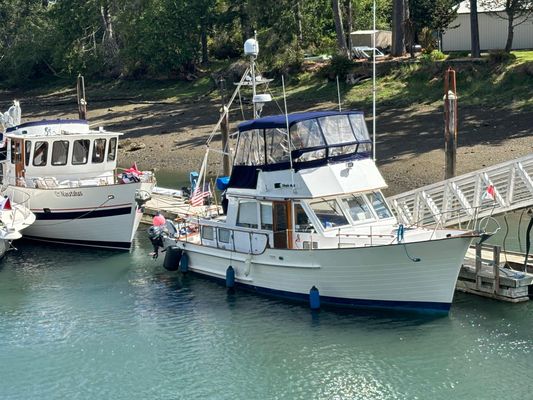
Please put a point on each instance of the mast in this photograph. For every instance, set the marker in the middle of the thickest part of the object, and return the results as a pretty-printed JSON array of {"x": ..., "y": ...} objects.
[{"x": 374, "y": 81}]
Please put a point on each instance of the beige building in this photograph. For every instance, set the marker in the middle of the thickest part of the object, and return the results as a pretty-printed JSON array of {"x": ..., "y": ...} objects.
[{"x": 492, "y": 30}]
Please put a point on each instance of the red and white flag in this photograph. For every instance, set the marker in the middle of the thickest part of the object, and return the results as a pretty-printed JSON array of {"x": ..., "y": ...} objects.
[
  {"x": 5, "y": 204},
  {"x": 490, "y": 193},
  {"x": 198, "y": 195}
]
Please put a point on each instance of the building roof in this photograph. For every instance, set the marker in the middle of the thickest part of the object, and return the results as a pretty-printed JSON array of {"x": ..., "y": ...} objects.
[{"x": 482, "y": 6}]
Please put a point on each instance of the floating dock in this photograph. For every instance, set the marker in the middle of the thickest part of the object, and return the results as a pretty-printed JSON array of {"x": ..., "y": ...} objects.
[
  {"x": 489, "y": 272},
  {"x": 173, "y": 207}
]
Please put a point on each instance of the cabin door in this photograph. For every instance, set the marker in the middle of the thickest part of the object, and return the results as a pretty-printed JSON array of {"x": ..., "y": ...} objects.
[
  {"x": 282, "y": 224},
  {"x": 17, "y": 151}
]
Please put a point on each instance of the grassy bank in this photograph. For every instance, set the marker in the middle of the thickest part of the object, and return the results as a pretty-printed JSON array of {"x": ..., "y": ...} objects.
[{"x": 402, "y": 84}]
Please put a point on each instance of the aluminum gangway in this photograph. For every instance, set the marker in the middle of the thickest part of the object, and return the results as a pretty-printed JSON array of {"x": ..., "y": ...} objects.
[{"x": 466, "y": 198}]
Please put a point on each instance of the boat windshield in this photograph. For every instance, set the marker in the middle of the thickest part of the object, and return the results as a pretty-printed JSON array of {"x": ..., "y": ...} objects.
[
  {"x": 357, "y": 207},
  {"x": 381, "y": 208},
  {"x": 329, "y": 213}
]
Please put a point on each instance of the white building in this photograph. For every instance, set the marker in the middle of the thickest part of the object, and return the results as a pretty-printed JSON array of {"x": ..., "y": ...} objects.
[{"x": 492, "y": 30}]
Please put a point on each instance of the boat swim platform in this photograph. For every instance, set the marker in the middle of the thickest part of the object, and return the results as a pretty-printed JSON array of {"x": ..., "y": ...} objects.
[
  {"x": 463, "y": 198},
  {"x": 489, "y": 272}
]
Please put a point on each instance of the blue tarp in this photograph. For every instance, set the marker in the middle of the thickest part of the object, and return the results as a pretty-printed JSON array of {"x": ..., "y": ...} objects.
[{"x": 280, "y": 121}]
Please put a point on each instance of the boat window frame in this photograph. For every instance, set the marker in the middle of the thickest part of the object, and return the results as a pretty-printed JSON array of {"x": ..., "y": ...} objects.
[
  {"x": 27, "y": 152},
  {"x": 94, "y": 153},
  {"x": 86, "y": 159},
  {"x": 373, "y": 216},
  {"x": 112, "y": 151},
  {"x": 384, "y": 201},
  {"x": 59, "y": 164},
  {"x": 257, "y": 218},
  {"x": 323, "y": 225},
  {"x": 44, "y": 154}
]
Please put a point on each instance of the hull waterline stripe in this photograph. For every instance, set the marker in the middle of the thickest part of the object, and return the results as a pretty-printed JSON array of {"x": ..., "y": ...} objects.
[
  {"x": 98, "y": 213},
  {"x": 413, "y": 306},
  {"x": 85, "y": 243}
]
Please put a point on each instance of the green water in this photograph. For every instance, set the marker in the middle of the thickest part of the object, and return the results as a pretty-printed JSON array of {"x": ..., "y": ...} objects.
[{"x": 86, "y": 324}]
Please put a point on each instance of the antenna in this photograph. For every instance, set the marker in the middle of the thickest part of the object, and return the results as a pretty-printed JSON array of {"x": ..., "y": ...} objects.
[
  {"x": 339, "y": 93},
  {"x": 374, "y": 81},
  {"x": 287, "y": 125}
]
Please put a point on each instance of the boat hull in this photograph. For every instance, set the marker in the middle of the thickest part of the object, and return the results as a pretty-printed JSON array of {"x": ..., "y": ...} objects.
[
  {"x": 97, "y": 216},
  {"x": 370, "y": 277}
]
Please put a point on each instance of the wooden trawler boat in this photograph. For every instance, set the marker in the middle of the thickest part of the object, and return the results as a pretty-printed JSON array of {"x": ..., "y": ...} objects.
[
  {"x": 69, "y": 173},
  {"x": 314, "y": 217},
  {"x": 306, "y": 220}
]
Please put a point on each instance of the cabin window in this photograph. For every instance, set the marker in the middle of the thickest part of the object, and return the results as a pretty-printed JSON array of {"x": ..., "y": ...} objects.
[
  {"x": 361, "y": 132},
  {"x": 98, "y": 151},
  {"x": 329, "y": 213},
  {"x": 251, "y": 148},
  {"x": 112, "y": 150},
  {"x": 40, "y": 154},
  {"x": 277, "y": 146},
  {"x": 306, "y": 134},
  {"x": 301, "y": 219},
  {"x": 381, "y": 208},
  {"x": 247, "y": 215},
  {"x": 224, "y": 235},
  {"x": 60, "y": 152},
  {"x": 16, "y": 151},
  {"x": 337, "y": 129},
  {"x": 359, "y": 127},
  {"x": 357, "y": 207},
  {"x": 266, "y": 215},
  {"x": 27, "y": 152},
  {"x": 80, "y": 151},
  {"x": 208, "y": 233}
]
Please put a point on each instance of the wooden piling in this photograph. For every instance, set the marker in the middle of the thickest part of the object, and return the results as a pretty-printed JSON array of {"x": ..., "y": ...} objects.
[
  {"x": 82, "y": 103},
  {"x": 450, "y": 123}
]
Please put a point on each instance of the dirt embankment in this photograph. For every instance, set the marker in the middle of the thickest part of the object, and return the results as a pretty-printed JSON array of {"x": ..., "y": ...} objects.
[{"x": 172, "y": 136}]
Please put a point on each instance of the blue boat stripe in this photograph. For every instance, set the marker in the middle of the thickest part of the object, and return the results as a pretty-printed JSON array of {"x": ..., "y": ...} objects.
[
  {"x": 91, "y": 243},
  {"x": 97, "y": 213},
  {"x": 411, "y": 306}
]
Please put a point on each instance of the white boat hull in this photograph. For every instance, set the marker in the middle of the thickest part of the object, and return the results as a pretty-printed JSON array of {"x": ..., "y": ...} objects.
[
  {"x": 97, "y": 216},
  {"x": 375, "y": 277}
]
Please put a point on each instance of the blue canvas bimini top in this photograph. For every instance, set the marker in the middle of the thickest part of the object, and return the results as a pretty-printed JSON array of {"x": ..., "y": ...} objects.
[{"x": 280, "y": 121}]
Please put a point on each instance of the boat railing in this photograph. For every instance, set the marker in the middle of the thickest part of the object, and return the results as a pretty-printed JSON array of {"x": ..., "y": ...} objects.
[
  {"x": 245, "y": 241},
  {"x": 20, "y": 202}
]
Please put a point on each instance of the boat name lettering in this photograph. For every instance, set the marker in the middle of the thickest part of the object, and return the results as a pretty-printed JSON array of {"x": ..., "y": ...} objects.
[
  {"x": 69, "y": 193},
  {"x": 279, "y": 185}
]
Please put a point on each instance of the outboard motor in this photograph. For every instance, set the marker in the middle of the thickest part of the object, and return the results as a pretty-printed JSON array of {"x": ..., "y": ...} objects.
[{"x": 156, "y": 235}]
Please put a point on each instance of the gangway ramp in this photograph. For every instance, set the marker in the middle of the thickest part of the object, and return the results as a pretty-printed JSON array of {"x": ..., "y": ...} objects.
[{"x": 464, "y": 198}]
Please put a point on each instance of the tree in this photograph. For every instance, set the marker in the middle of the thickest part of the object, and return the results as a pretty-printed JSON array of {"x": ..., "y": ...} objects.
[
  {"x": 400, "y": 15},
  {"x": 474, "y": 30},
  {"x": 337, "y": 17},
  {"x": 516, "y": 12}
]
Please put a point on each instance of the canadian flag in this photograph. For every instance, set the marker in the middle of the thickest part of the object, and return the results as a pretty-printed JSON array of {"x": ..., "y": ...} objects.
[
  {"x": 5, "y": 204},
  {"x": 490, "y": 193}
]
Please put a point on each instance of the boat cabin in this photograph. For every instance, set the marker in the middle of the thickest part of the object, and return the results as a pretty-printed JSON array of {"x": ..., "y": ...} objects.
[
  {"x": 329, "y": 198},
  {"x": 314, "y": 139},
  {"x": 45, "y": 153}
]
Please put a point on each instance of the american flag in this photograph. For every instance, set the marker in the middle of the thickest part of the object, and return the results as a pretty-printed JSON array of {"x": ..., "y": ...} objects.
[{"x": 198, "y": 195}]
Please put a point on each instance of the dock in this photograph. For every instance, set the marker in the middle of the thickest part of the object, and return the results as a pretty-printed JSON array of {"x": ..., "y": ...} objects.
[
  {"x": 173, "y": 207},
  {"x": 489, "y": 272}
]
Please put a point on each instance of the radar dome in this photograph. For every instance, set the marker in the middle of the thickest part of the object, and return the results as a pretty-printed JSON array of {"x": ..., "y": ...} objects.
[{"x": 251, "y": 47}]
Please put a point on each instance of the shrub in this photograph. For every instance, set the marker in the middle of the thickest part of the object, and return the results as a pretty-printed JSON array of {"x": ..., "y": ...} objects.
[
  {"x": 339, "y": 65},
  {"x": 501, "y": 57},
  {"x": 458, "y": 54},
  {"x": 433, "y": 56}
]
